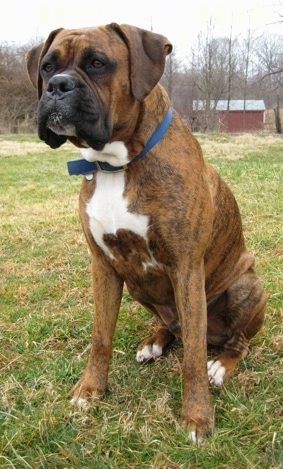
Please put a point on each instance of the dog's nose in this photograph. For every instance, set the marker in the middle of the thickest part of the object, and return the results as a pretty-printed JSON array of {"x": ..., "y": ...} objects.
[{"x": 60, "y": 84}]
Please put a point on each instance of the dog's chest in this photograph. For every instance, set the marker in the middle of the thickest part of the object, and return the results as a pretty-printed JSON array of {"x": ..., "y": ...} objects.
[{"x": 113, "y": 227}]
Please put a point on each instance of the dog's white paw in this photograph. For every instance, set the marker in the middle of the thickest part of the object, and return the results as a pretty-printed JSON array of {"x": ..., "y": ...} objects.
[
  {"x": 195, "y": 439},
  {"x": 216, "y": 372},
  {"x": 80, "y": 402},
  {"x": 149, "y": 352}
]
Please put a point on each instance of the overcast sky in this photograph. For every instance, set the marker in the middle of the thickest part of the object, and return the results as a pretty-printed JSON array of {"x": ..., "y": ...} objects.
[{"x": 179, "y": 20}]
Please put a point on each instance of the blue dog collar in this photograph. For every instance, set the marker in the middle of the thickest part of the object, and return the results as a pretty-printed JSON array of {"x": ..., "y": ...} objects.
[{"x": 82, "y": 166}]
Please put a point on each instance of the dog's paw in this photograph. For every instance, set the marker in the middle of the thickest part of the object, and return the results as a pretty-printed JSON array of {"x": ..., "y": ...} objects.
[
  {"x": 80, "y": 402},
  {"x": 198, "y": 430},
  {"x": 149, "y": 352},
  {"x": 87, "y": 391},
  {"x": 216, "y": 372},
  {"x": 194, "y": 438}
]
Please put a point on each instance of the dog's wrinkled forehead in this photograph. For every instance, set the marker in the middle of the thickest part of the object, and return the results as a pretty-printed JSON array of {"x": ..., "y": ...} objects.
[{"x": 82, "y": 43}]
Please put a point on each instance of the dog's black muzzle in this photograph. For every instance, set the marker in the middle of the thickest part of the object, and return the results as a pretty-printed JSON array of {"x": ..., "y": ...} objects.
[{"x": 68, "y": 110}]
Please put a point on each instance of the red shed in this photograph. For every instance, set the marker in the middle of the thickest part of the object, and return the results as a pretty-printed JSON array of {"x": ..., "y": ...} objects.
[{"x": 242, "y": 115}]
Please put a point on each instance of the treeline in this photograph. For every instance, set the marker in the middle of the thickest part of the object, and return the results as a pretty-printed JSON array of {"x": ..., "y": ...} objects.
[
  {"x": 218, "y": 68},
  {"x": 226, "y": 68}
]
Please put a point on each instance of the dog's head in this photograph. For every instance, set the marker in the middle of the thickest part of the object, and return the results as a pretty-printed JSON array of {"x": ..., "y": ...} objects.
[{"x": 90, "y": 81}]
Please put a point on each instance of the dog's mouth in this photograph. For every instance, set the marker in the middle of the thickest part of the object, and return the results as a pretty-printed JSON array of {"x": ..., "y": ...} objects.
[
  {"x": 56, "y": 129},
  {"x": 59, "y": 125},
  {"x": 56, "y": 123}
]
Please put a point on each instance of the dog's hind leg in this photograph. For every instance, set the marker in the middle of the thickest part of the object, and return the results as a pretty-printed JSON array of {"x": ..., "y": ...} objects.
[
  {"x": 154, "y": 346},
  {"x": 242, "y": 314}
]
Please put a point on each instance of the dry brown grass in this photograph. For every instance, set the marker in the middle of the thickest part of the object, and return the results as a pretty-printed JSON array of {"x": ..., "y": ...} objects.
[
  {"x": 13, "y": 147},
  {"x": 235, "y": 147}
]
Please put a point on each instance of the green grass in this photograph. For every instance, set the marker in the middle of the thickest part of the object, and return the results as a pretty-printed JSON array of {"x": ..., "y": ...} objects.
[{"x": 46, "y": 319}]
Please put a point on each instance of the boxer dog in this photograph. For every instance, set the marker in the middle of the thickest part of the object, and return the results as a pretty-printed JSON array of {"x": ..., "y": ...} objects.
[{"x": 155, "y": 215}]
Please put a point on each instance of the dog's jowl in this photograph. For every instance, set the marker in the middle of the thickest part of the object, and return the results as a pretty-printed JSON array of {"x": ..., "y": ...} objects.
[{"x": 155, "y": 215}]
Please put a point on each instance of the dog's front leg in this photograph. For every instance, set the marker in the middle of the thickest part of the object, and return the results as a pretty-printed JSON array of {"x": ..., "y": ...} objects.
[
  {"x": 197, "y": 413},
  {"x": 108, "y": 288}
]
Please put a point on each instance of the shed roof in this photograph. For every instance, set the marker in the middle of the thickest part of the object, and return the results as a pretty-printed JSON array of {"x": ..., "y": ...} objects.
[{"x": 234, "y": 105}]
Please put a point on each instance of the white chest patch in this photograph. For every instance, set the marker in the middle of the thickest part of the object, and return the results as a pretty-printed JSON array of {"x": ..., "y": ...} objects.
[
  {"x": 114, "y": 153},
  {"x": 108, "y": 210}
]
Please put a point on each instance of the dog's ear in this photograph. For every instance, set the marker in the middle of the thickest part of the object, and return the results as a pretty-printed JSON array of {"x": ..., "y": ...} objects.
[
  {"x": 32, "y": 62},
  {"x": 147, "y": 55},
  {"x": 33, "y": 58}
]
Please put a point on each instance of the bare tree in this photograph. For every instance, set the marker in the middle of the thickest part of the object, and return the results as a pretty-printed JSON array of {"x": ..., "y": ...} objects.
[
  {"x": 214, "y": 61},
  {"x": 269, "y": 56},
  {"x": 170, "y": 74},
  {"x": 17, "y": 98}
]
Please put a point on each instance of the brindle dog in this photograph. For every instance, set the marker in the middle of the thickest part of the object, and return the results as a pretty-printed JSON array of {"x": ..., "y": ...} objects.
[{"x": 164, "y": 222}]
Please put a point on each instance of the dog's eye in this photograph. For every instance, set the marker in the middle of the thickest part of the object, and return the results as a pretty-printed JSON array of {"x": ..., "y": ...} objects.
[
  {"x": 47, "y": 67},
  {"x": 97, "y": 63}
]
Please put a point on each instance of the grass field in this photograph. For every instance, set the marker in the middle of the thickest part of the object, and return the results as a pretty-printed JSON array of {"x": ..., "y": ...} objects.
[{"x": 46, "y": 319}]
